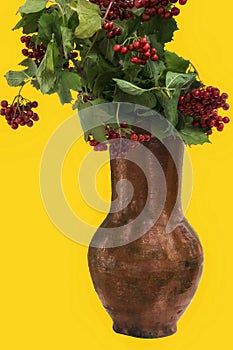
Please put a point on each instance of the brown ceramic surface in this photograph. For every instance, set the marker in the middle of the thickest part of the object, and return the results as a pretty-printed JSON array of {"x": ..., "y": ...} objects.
[{"x": 147, "y": 284}]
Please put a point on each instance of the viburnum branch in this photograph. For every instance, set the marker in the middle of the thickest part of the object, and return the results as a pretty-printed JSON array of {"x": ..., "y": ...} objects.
[
  {"x": 107, "y": 11},
  {"x": 97, "y": 33}
]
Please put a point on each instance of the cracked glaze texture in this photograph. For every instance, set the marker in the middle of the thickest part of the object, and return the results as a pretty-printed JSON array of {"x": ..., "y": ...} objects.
[{"x": 146, "y": 284}]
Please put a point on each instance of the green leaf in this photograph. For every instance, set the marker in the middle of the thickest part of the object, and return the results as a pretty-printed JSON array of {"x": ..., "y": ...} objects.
[
  {"x": 170, "y": 107},
  {"x": 129, "y": 88},
  {"x": 131, "y": 71},
  {"x": 163, "y": 28},
  {"x": 176, "y": 63},
  {"x": 64, "y": 94},
  {"x": 15, "y": 78},
  {"x": 29, "y": 22},
  {"x": 31, "y": 67},
  {"x": 45, "y": 28},
  {"x": 71, "y": 80},
  {"x": 49, "y": 25},
  {"x": 32, "y": 6},
  {"x": 193, "y": 136},
  {"x": 96, "y": 66},
  {"x": 128, "y": 27},
  {"x": 68, "y": 81},
  {"x": 106, "y": 48},
  {"x": 138, "y": 11},
  {"x": 157, "y": 45},
  {"x": 72, "y": 18},
  {"x": 101, "y": 81},
  {"x": 67, "y": 36},
  {"x": 147, "y": 99},
  {"x": 35, "y": 84},
  {"x": 46, "y": 75},
  {"x": 174, "y": 80},
  {"x": 89, "y": 19},
  {"x": 156, "y": 69},
  {"x": 99, "y": 133}
]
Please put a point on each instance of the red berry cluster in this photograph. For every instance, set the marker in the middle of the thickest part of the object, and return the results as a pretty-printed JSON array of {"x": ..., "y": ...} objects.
[
  {"x": 119, "y": 141},
  {"x": 19, "y": 112},
  {"x": 114, "y": 10},
  {"x": 112, "y": 31},
  {"x": 36, "y": 52},
  {"x": 203, "y": 104},
  {"x": 163, "y": 8},
  {"x": 142, "y": 46}
]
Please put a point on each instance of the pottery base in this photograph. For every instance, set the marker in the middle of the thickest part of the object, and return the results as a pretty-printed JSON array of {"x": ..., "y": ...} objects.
[{"x": 156, "y": 332}]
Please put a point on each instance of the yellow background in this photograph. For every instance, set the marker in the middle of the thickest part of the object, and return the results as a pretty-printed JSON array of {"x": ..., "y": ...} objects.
[{"x": 47, "y": 299}]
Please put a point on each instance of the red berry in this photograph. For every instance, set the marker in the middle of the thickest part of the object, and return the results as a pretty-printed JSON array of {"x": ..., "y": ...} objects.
[
  {"x": 225, "y": 106},
  {"x": 25, "y": 52},
  {"x": 167, "y": 15},
  {"x": 175, "y": 11},
  {"x": 124, "y": 125},
  {"x": 141, "y": 138},
  {"x": 134, "y": 59},
  {"x": 138, "y": 3},
  {"x": 93, "y": 143},
  {"x": 110, "y": 25},
  {"x": 115, "y": 135},
  {"x": 110, "y": 35},
  {"x": 153, "y": 51},
  {"x": 124, "y": 50},
  {"x": 26, "y": 118},
  {"x": 14, "y": 126},
  {"x": 4, "y": 103},
  {"x": 18, "y": 120},
  {"x": 224, "y": 96},
  {"x": 30, "y": 113},
  {"x": 134, "y": 137},
  {"x": 34, "y": 104},
  {"x": 196, "y": 93},
  {"x": 220, "y": 127},
  {"x": 136, "y": 44},
  {"x": 147, "y": 54},
  {"x": 117, "y": 47},
  {"x": 216, "y": 92},
  {"x": 23, "y": 39},
  {"x": 117, "y": 31},
  {"x": 145, "y": 17},
  {"x": 143, "y": 41},
  {"x": 154, "y": 57},
  {"x": 8, "y": 111},
  {"x": 105, "y": 25},
  {"x": 131, "y": 47},
  {"x": 226, "y": 120},
  {"x": 30, "y": 123},
  {"x": 146, "y": 47},
  {"x": 35, "y": 117}
]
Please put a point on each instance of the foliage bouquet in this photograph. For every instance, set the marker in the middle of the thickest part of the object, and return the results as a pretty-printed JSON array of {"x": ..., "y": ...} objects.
[{"x": 111, "y": 51}]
